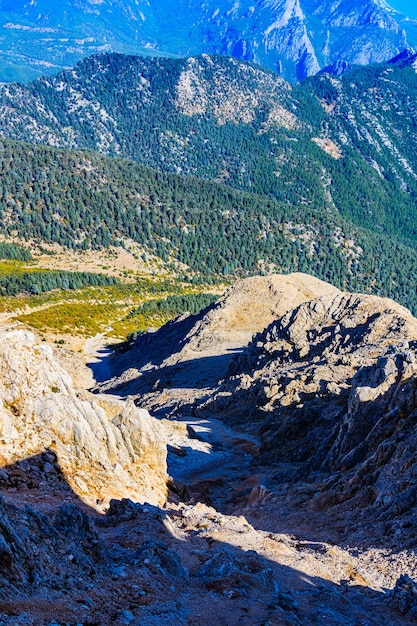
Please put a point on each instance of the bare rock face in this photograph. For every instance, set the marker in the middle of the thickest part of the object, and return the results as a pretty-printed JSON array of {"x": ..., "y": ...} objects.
[
  {"x": 331, "y": 388},
  {"x": 196, "y": 349},
  {"x": 102, "y": 453},
  {"x": 316, "y": 348}
]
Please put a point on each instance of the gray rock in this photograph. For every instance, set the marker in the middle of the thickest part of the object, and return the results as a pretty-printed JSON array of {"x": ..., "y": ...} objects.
[
  {"x": 126, "y": 617},
  {"x": 403, "y": 597},
  {"x": 156, "y": 554}
]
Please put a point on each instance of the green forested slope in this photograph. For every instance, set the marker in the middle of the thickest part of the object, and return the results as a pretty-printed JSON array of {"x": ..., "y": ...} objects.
[
  {"x": 83, "y": 200},
  {"x": 343, "y": 144}
]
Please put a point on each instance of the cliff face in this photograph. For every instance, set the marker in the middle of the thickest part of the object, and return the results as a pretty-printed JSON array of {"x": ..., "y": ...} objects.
[{"x": 297, "y": 38}]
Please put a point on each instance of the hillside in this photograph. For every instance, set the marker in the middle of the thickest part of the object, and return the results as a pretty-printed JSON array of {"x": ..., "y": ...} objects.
[
  {"x": 327, "y": 388},
  {"x": 82, "y": 200},
  {"x": 293, "y": 37},
  {"x": 340, "y": 144},
  {"x": 254, "y": 495}
]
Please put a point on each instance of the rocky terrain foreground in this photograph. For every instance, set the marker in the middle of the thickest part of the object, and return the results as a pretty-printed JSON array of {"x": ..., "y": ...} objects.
[{"x": 254, "y": 464}]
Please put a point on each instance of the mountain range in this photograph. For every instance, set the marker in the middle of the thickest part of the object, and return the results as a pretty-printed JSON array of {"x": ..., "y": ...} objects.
[
  {"x": 249, "y": 172},
  {"x": 273, "y": 478},
  {"x": 295, "y": 38},
  {"x": 343, "y": 144}
]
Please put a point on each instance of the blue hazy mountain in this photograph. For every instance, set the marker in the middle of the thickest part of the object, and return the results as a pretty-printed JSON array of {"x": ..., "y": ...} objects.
[{"x": 296, "y": 38}]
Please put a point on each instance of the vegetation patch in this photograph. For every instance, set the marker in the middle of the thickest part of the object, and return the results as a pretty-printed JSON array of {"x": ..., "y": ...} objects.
[
  {"x": 39, "y": 281},
  {"x": 114, "y": 309},
  {"x": 80, "y": 318},
  {"x": 14, "y": 252},
  {"x": 176, "y": 305}
]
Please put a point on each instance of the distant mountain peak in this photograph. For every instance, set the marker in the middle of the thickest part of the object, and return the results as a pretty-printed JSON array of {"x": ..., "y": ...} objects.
[{"x": 295, "y": 38}]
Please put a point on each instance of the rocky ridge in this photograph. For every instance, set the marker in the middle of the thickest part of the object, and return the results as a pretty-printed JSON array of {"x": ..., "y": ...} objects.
[
  {"x": 202, "y": 346},
  {"x": 328, "y": 388},
  {"x": 275, "y": 481}
]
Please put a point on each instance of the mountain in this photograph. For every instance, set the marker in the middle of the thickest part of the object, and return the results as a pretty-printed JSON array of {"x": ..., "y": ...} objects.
[
  {"x": 267, "y": 520},
  {"x": 298, "y": 37},
  {"x": 342, "y": 144},
  {"x": 293, "y": 37},
  {"x": 298, "y": 178},
  {"x": 328, "y": 387}
]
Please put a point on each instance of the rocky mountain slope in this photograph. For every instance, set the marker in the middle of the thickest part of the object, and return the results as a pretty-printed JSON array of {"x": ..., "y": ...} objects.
[
  {"x": 341, "y": 144},
  {"x": 293, "y": 37},
  {"x": 328, "y": 387},
  {"x": 202, "y": 346},
  {"x": 267, "y": 520}
]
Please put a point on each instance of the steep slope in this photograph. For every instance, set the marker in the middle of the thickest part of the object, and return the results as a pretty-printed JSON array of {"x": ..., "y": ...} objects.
[
  {"x": 299, "y": 37},
  {"x": 294, "y": 37},
  {"x": 330, "y": 387}
]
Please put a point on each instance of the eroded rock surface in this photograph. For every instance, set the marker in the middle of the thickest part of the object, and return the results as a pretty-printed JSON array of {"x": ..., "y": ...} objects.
[
  {"x": 101, "y": 454},
  {"x": 292, "y": 497},
  {"x": 330, "y": 388}
]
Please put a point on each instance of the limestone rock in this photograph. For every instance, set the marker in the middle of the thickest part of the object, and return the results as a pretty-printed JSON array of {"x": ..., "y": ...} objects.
[
  {"x": 331, "y": 389},
  {"x": 100, "y": 456}
]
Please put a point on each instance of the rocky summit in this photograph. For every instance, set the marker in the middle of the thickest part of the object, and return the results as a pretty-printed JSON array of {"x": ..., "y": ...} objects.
[{"x": 273, "y": 484}]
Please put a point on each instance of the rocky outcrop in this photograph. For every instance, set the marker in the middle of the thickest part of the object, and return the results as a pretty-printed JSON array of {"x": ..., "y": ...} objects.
[
  {"x": 330, "y": 387},
  {"x": 249, "y": 306},
  {"x": 113, "y": 450},
  {"x": 195, "y": 350}
]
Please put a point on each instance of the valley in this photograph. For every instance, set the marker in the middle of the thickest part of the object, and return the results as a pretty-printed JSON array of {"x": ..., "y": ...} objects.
[{"x": 69, "y": 316}]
